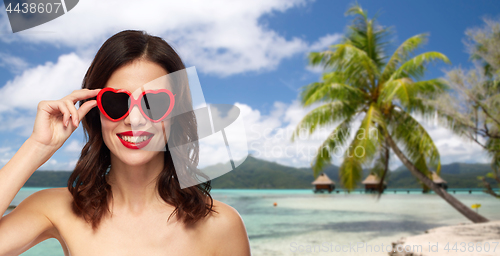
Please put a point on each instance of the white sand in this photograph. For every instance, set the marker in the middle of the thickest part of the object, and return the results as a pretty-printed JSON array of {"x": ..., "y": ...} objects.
[{"x": 461, "y": 240}]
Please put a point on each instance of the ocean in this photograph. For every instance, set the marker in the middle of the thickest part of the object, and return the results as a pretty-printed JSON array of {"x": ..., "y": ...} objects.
[{"x": 304, "y": 223}]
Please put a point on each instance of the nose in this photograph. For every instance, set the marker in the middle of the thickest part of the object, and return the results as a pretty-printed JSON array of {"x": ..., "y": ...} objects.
[{"x": 135, "y": 117}]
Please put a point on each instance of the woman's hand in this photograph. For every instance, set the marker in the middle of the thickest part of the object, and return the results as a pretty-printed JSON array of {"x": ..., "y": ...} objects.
[{"x": 56, "y": 120}]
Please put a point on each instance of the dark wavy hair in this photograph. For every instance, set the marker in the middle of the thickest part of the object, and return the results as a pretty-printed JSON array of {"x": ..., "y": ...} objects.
[{"x": 87, "y": 184}]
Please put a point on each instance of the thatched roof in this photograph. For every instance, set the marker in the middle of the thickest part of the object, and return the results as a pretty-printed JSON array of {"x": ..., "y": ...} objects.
[
  {"x": 323, "y": 180},
  {"x": 437, "y": 179},
  {"x": 372, "y": 179}
]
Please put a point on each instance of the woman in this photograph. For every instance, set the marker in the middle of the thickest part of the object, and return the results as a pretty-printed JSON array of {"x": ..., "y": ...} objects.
[{"x": 120, "y": 200}]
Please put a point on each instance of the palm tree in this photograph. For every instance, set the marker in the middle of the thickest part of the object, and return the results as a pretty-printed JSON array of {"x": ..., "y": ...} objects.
[{"x": 362, "y": 83}]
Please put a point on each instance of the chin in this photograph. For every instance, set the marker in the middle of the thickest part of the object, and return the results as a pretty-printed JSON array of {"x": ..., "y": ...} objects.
[
  {"x": 136, "y": 158},
  {"x": 136, "y": 162}
]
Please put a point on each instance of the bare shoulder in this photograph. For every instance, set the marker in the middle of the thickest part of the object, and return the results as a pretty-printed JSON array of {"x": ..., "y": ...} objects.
[
  {"x": 54, "y": 192},
  {"x": 52, "y": 202},
  {"x": 49, "y": 198},
  {"x": 226, "y": 229},
  {"x": 226, "y": 214},
  {"x": 32, "y": 221}
]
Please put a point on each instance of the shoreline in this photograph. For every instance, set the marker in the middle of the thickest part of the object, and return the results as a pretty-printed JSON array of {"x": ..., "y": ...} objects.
[{"x": 471, "y": 239}]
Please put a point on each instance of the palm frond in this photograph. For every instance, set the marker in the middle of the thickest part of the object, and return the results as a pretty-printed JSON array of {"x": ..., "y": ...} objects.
[
  {"x": 355, "y": 62},
  {"x": 381, "y": 163},
  {"x": 350, "y": 172},
  {"x": 356, "y": 9},
  {"x": 402, "y": 54},
  {"x": 400, "y": 89},
  {"x": 416, "y": 142},
  {"x": 332, "y": 145},
  {"x": 409, "y": 92},
  {"x": 366, "y": 35},
  {"x": 320, "y": 58},
  {"x": 326, "y": 114},
  {"x": 331, "y": 88},
  {"x": 415, "y": 66},
  {"x": 362, "y": 149}
]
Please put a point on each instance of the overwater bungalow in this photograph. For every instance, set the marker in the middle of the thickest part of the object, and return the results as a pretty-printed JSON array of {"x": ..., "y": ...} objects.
[
  {"x": 439, "y": 181},
  {"x": 323, "y": 183},
  {"x": 371, "y": 183}
]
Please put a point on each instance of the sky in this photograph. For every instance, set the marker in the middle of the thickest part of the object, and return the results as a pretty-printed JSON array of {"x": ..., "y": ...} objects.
[{"x": 252, "y": 54}]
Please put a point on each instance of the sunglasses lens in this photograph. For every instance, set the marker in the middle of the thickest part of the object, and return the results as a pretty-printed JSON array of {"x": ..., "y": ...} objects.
[
  {"x": 155, "y": 105},
  {"x": 115, "y": 104}
]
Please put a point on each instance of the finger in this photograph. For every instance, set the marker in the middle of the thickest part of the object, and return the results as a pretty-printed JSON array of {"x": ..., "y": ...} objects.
[
  {"x": 78, "y": 95},
  {"x": 85, "y": 108},
  {"x": 54, "y": 108},
  {"x": 73, "y": 111},
  {"x": 65, "y": 111}
]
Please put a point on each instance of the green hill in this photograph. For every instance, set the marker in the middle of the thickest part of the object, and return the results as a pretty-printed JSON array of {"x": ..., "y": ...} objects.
[
  {"x": 458, "y": 175},
  {"x": 261, "y": 174},
  {"x": 257, "y": 173},
  {"x": 48, "y": 179}
]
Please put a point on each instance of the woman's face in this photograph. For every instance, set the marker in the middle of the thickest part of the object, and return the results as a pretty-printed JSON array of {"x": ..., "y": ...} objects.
[{"x": 136, "y": 77}]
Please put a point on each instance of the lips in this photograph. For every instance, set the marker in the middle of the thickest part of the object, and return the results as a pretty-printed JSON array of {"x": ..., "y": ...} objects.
[{"x": 133, "y": 145}]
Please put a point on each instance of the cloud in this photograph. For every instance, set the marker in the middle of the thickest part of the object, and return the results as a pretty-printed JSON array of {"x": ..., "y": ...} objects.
[
  {"x": 54, "y": 165},
  {"x": 218, "y": 37},
  {"x": 58, "y": 162},
  {"x": 62, "y": 160},
  {"x": 5, "y": 155},
  {"x": 324, "y": 42},
  {"x": 269, "y": 138},
  {"x": 269, "y": 135},
  {"x": 3, "y": 150},
  {"x": 19, "y": 97},
  {"x": 12, "y": 63},
  {"x": 51, "y": 81},
  {"x": 74, "y": 146},
  {"x": 315, "y": 69},
  {"x": 20, "y": 122},
  {"x": 453, "y": 148},
  {"x": 72, "y": 163}
]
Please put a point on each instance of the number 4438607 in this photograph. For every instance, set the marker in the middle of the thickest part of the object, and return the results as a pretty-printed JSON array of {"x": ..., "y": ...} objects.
[
  {"x": 34, "y": 8},
  {"x": 471, "y": 247}
]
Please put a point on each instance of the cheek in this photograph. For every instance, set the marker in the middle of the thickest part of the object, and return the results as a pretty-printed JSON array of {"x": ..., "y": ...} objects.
[{"x": 107, "y": 128}]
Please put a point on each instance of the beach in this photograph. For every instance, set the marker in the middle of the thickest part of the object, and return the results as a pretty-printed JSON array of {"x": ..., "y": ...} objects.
[
  {"x": 304, "y": 223},
  {"x": 481, "y": 239}
]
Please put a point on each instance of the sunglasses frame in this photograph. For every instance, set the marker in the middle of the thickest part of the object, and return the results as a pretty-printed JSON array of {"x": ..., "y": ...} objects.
[{"x": 134, "y": 102}]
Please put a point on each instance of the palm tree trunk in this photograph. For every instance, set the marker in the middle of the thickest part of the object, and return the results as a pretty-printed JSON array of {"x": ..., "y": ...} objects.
[
  {"x": 386, "y": 168},
  {"x": 464, "y": 210}
]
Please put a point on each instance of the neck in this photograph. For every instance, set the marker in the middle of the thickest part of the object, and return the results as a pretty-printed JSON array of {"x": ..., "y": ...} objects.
[{"x": 134, "y": 187}]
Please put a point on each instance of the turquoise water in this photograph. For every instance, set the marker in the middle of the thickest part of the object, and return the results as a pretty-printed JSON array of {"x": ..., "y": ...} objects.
[{"x": 302, "y": 218}]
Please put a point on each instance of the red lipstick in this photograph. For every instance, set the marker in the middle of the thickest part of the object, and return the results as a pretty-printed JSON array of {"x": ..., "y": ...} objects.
[{"x": 134, "y": 145}]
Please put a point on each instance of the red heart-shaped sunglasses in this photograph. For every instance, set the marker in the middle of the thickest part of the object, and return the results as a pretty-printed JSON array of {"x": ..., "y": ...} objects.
[{"x": 155, "y": 105}]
